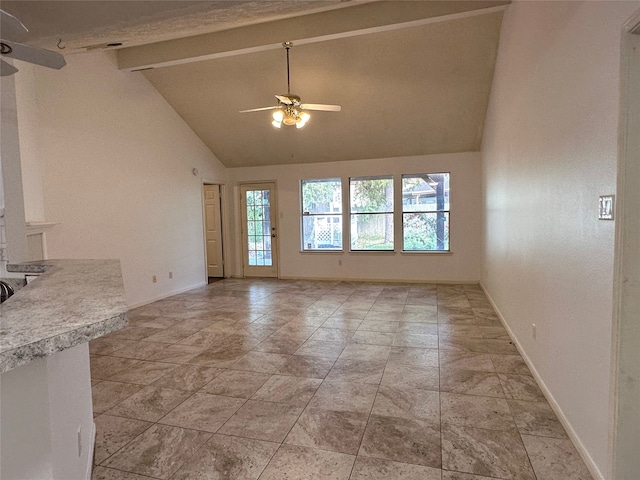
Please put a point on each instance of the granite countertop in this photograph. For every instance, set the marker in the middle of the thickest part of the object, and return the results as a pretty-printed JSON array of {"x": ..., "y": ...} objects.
[
  {"x": 15, "y": 283},
  {"x": 72, "y": 302}
]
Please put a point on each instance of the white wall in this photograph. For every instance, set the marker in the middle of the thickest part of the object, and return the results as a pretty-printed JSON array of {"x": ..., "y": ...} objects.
[
  {"x": 626, "y": 382},
  {"x": 29, "y": 155},
  {"x": 71, "y": 413},
  {"x": 46, "y": 415},
  {"x": 463, "y": 265},
  {"x": 26, "y": 445},
  {"x": 13, "y": 235},
  {"x": 114, "y": 164},
  {"x": 549, "y": 150}
]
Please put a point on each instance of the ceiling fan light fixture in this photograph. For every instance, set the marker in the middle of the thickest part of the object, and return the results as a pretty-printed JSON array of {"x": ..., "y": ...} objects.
[
  {"x": 276, "y": 124},
  {"x": 278, "y": 116},
  {"x": 290, "y": 119},
  {"x": 302, "y": 119}
]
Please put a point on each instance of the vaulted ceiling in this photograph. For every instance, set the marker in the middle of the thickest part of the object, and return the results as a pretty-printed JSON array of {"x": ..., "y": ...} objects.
[{"x": 412, "y": 77}]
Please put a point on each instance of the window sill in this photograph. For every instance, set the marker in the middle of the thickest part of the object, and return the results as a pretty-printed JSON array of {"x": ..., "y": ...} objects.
[
  {"x": 427, "y": 252},
  {"x": 376, "y": 252},
  {"x": 369, "y": 252},
  {"x": 321, "y": 251}
]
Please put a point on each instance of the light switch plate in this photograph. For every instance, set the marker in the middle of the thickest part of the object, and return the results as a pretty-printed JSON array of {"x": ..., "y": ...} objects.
[{"x": 605, "y": 210}]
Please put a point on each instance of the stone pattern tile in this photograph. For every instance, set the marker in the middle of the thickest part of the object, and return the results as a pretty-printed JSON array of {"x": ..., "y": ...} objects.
[
  {"x": 555, "y": 458},
  {"x": 280, "y": 379}
]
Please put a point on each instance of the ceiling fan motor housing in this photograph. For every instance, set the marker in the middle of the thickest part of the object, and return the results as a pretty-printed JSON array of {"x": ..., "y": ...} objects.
[{"x": 289, "y": 99}]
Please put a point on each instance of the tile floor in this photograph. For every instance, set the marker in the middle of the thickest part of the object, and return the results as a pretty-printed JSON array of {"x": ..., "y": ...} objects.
[{"x": 272, "y": 379}]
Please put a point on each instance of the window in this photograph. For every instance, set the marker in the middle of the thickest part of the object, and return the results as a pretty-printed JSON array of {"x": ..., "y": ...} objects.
[
  {"x": 371, "y": 201},
  {"x": 321, "y": 214},
  {"x": 425, "y": 212}
]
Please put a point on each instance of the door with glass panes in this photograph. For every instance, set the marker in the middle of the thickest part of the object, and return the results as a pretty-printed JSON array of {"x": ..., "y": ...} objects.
[{"x": 259, "y": 229}]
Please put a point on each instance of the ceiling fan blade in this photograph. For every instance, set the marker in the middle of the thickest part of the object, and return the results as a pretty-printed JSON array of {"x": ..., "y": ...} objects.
[
  {"x": 259, "y": 109},
  {"x": 320, "y": 107},
  {"x": 6, "y": 69},
  {"x": 39, "y": 56},
  {"x": 11, "y": 26}
]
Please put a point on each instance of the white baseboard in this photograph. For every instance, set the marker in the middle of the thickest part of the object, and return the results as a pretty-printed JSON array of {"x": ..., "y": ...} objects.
[
  {"x": 371, "y": 280},
  {"x": 92, "y": 445},
  {"x": 167, "y": 294},
  {"x": 381, "y": 280},
  {"x": 573, "y": 436}
]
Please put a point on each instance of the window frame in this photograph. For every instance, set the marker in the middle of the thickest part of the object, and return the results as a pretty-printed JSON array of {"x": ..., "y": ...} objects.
[
  {"x": 432, "y": 211},
  {"x": 305, "y": 214},
  {"x": 386, "y": 212}
]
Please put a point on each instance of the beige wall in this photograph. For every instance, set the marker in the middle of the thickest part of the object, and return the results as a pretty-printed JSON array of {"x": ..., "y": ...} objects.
[
  {"x": 112, "y": 162},
  {"x": 463, "y": 265},
  {"x": 550, "y": 149}
]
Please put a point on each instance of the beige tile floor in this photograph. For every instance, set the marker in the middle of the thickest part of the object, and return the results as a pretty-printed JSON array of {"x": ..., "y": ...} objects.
[{"x": 272, "y": 379}]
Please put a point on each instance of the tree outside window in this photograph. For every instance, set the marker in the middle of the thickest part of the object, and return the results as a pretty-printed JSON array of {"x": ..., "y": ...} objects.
[
  {"x": 425, "y": 212},
  {"x": 371, "y": 202}
]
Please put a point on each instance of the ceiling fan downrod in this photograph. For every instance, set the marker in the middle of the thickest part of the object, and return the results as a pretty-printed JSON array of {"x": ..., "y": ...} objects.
[{"x": 287, "y": 46}]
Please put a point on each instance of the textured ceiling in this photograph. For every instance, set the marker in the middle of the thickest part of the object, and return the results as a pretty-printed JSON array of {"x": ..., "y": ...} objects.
[
  {"x": 413, "y": 91},
  {"x": 80, "y": 24},
  {"x": 413, "y": 78}
]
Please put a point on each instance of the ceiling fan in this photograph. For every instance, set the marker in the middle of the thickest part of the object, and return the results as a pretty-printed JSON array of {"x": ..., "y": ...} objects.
[
  {"x": 19, "y": 51},
  {"x": 290, "y": 110}
]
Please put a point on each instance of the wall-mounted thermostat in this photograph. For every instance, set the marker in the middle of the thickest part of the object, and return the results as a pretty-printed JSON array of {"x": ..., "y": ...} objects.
[{"x": 605, "y": 210}]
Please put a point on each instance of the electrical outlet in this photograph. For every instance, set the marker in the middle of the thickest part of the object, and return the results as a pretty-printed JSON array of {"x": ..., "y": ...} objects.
[
  {"x": 79, "y": 440},
  {"x": 533, "y": 331},
  {"x": 154, "y": 279},
  {"x": 170, "y": 275},
  {"x": 339, "y": 263}
]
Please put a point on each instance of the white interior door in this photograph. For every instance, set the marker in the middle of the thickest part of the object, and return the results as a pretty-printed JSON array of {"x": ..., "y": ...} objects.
[
  {"x": 259, "y": 230},
  {"x": 213, "y": 230}
]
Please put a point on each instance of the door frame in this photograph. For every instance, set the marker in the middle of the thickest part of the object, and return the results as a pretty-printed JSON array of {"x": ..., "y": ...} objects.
[
  {"x": 625, "y": 374},
  {"x": 223, "y": 225},
  {"x": 241, "y": 206}
]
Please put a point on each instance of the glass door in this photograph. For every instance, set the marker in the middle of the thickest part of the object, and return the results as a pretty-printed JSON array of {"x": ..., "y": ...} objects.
[{"x": 259, "y": 232}]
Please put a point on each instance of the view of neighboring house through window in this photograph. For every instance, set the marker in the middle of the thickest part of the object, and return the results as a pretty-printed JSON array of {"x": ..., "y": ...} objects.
[
  {"x": 371, "y": 209},
  {"x": 425, "y": 212},
  {"x": 322, "y": 214}
]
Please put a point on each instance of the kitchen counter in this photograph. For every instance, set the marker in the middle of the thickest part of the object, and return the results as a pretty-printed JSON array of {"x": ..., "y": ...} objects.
[
  {"x": 46, "y": 413},
  {"x": 72, "y": 302}
]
